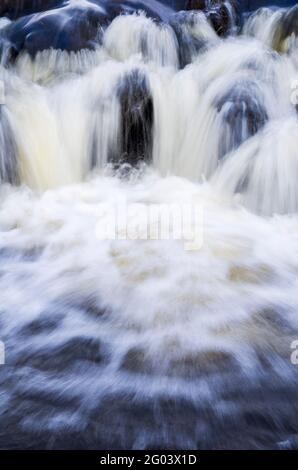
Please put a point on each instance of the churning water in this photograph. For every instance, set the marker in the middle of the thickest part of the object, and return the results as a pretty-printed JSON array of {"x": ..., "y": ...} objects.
[{"x": 140, "y": 343}]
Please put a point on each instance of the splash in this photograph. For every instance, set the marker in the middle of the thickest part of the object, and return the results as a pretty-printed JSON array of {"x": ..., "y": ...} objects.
[{"x": 134, "y": 344}]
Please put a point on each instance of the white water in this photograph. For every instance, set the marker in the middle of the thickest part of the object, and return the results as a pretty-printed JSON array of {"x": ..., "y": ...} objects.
[
  {"x": 171, "y": 323},
  {"x": 59, "y": 95}
]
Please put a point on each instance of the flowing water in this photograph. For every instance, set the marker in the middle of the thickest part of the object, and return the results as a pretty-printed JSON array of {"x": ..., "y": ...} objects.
[{"x": 140, "y": 343}]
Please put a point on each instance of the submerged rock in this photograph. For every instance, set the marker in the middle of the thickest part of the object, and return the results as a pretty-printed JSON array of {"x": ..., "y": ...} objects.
[
  {"x": 223, "y": 18},
  {"x": 136, "y": 116},
  {"x": 287, "y": 27},
  {"x": 223, "y": 15},
  {"x": 194, "y": 34},
  {"x": 243, "y": 114},
  {"x": 159, "y": 10},
  {"x": 8, "y": 150},
  {"x": 64, "y": 355}
]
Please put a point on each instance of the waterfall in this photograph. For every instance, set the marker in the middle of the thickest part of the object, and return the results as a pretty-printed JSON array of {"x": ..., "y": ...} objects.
[
  {"x": 206, "y": 97},
  {"x": 123, "y": 343}
]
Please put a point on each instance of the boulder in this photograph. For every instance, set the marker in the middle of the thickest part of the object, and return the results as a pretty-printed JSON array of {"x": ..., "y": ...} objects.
[
  {"x": 15, "y": 8},
  {"x": 194, "y": 34},
  {"x": 68, "y": 28},
  {"x": 286, "y": 27},
  {"x": 242, "y": 113},
  {"x": 223, "y": 15},
  {"x": 136, "y": 118}
]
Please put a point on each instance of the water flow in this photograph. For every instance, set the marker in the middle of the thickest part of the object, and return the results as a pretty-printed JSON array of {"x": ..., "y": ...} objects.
[
  {"x": 230, "y": 91},
  {"x": 142, "y": 344}
]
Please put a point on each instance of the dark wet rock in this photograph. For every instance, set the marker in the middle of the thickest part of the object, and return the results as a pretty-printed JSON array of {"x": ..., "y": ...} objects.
[
  {"x": 8, "y": 53},
  {"x": 275, "y": 319},
  {"x": 73, "y": 27},
  {"x": 8, "y": 149},
  {"x": 135, "y": 361},
  {"x": 27, "y": 255},
  {"x": 197, "y": 366},
  {"x": 203, "y": 364},
  {"x": 68, "y": 28},
  {"x": 243, "y": 412},
  {"x": 64, "y": 355},
  {"x": 196, "y": 4},
  {"x": 243, "y": 114},
  {"x": 251, "y": 5},
  {"x": 40, "y": 398},
  {"x": 15, "y": 8},
  {"x": 136, "y": 119},
  {"x": 87, "y": 304},
  {"x": 158, "y": 10},
  {"x": 155, "y": 422},
  {"x": 223, "y": 18},
  {"x": 44, "y": 324},
  {"x": 286, "y": 27},
  {"x": 189, "y": 45},
  {"x": 223, "y": 15},
  {"x": 92, "y": 307}
]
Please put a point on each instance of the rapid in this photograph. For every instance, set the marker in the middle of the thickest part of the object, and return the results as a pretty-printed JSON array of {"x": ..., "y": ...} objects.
[{"x": 138, "y": 344}]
